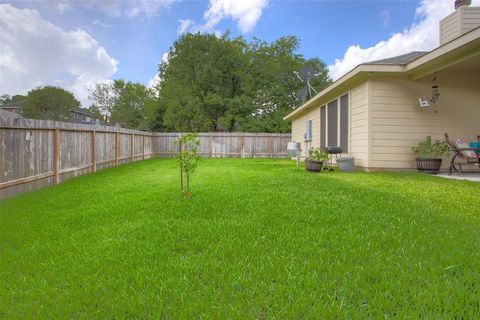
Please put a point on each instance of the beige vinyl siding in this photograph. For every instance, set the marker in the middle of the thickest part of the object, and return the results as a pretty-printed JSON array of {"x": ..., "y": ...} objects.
[
  {"x": 471, "y": 19},
  {"x": 398, "y": 122},
  {"x": 450, "y": 28},
  {"x": 299, "y": 127},
  {"x": 359, "y": 125},
  {"x": 459, "y": 22}
]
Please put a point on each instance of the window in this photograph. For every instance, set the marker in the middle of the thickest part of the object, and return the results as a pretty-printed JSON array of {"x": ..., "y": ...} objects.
[
  {"x": 334, "y": 121},
  {"x": 332, "y": 115},
  {"x": 308, "y": 134},
  {"x": 344, "y": 123},
  {"x": 323, "y": 126}
]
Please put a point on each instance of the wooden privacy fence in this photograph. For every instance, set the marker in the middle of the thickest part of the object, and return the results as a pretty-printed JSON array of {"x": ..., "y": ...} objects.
[{"x": 39, "y": 153}]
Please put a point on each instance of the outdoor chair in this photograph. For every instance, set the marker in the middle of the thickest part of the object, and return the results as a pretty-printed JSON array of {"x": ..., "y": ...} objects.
[{"x": 463, "y": 155}]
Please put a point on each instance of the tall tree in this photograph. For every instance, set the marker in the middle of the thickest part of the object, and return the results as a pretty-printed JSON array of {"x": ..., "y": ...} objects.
[
  {"x": 203, "y": 73},
  {"x": 97, "y": 112},
  {"x": 103, "y": 96},
  {"x": 49, "y": 103},
  {"x": 130, "y": 104},
  {"x": 212, "y": 82}
]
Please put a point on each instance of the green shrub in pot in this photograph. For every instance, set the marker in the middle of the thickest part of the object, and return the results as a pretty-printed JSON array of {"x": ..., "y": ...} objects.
[
  {"x": 315, "y": 159},
  {"x": 429, "y": 154}
]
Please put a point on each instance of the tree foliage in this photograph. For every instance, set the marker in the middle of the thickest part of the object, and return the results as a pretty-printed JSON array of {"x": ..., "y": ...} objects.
[
  {"x": 5, "y": 98},
  {"x": 130, "y": 104},
  {"x": 187, "y": 157},
  {"x": 211, "y": 83},
  {"x": 49, "y": 103}
]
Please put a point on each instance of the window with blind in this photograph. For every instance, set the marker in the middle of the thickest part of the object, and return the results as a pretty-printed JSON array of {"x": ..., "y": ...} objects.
[
  {"x": 323, "y": 131},
  {"x": 334, "y": 123},
  {"x": 308, "y": 134},
  {"x": 344, "y": 123},
  {"x": 332, "y": 115}
]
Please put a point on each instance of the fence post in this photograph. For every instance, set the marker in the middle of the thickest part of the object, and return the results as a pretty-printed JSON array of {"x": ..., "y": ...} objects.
[
  {"x": 132, "y": 136},
  {"x": 116, "y": 147},
  {"x": 180, "y": 147},
  {"x": 270, "y": 146},
  {"x": 56, "y": 159},
  {"x": 152, "y": 145},
  {"x": 253, "y": 147},
  {"x": 242, "y": 143},
  {"x": 94, "y": 151},
  {"x": 210, "y": 145},
  {"x": 143, "y": 147}
]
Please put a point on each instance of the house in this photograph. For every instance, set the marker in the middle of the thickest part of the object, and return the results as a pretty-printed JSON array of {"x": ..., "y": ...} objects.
[
  {"x": 14, "y": 107},
  {"x": 81, "y": 115},
  {"x": 77, "y": 115},
  {"x": 378, "y": 110}
]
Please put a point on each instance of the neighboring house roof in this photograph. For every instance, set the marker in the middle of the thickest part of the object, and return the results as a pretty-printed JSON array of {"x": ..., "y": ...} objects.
[
  {"x": 416, "y": 65},
  {"x": 7, "y": 114},
  {"x": 19, "y": 104},
  {"x": 13, "y": 105},
  {"x": 399, "y": 60},
  {"x": 83, "y": 111}
]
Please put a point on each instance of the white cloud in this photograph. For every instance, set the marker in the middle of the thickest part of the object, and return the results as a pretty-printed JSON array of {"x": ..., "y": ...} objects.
[
  {"x": 62, "y": 7},
  {"x": 101, "y": 24},
  {"x": 185, "y": 25},
  {"x": 35, "y": 52},
  {"x": 245, "y": 13},
  {"x": 386, "y": 18},
  {"x": 422, "y": 35},
  {"x": 128, "y": 8},
  {"x": 165, "y": 57},
  {"x": 155, "y": 80}
]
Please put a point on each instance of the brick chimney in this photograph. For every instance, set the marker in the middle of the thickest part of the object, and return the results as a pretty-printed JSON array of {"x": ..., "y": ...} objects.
[{"x": 462, "y": 20}]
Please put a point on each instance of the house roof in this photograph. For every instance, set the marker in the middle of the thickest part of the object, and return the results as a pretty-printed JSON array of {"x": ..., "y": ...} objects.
[
  {"x": 13, "y": 105},
  {"x": 19, "y": 104},
  {"x": 82, "y": 111},
  {"x": 414, "y": 64},
  {"x": 399, "y": 60}
]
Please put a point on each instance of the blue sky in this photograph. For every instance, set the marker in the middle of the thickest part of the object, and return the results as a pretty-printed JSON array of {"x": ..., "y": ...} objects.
[{"x": 77, "y": 43}]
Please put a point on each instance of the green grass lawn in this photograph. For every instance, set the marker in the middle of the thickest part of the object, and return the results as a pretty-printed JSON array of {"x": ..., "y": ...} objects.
[{"x": 259, "y": 239}]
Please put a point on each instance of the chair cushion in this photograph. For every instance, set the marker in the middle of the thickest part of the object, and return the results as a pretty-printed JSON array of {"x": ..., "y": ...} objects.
[
  {"x": 460, "y": 144},
  {"x": 475, "y": 145}
]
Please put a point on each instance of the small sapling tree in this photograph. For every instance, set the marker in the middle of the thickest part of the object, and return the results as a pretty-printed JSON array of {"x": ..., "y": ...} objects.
[{"x": 187, "y": 157}]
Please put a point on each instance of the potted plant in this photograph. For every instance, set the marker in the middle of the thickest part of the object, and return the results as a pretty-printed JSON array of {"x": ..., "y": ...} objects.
[
  {"x": 315, "y": 160},
  {"x": 429, "y": 155}
]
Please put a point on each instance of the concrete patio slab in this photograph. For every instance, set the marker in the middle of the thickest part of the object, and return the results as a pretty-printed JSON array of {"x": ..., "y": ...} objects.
[{"x": 458, "y": 176}]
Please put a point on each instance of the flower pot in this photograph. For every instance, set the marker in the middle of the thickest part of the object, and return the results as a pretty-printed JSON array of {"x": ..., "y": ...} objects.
[
  {"x": 313, "y": 166},
  {"x": 429, "y": 165}
]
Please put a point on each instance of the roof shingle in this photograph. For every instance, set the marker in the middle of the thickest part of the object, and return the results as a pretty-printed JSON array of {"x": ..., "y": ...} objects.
[{"x": 399, "y": 60}]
